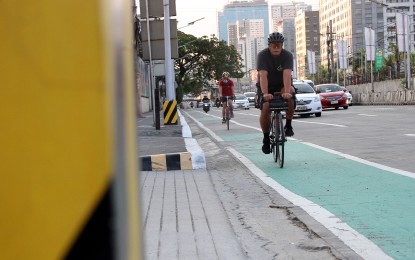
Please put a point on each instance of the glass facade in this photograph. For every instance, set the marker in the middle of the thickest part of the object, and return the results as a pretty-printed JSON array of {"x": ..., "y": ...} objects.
[{"x": 240, "y": 11}]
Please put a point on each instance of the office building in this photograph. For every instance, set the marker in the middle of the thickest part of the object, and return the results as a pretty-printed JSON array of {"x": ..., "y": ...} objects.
[
  {"x": 250, "y": 41},
  {"x": 242, "y": 10},
  {"x": 349, "y": 19},
  {"x": 307, "y": 39}
]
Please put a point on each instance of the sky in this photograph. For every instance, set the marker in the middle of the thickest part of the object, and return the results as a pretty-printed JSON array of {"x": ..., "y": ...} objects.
[{"x": 192, "y": 10}]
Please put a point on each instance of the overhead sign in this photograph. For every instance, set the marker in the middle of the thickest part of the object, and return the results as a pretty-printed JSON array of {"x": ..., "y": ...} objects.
[
  {"x": 157, "y": 40},
  {"x": 156, "y": 8},
  {"x": 379, "y": 59}
]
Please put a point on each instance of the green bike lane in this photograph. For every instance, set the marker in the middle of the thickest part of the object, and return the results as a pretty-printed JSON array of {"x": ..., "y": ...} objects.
[{"x": 376, "y": 202}]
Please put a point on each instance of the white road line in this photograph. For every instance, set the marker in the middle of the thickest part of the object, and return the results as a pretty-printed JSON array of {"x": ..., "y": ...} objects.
[
  {"x": 359, "y": 243},
  {"x": 305, "y": 122},
  {"x": 206, "y": 129},
  {"x": 410, "y": 135},
  {"x": 357, "y": 159},
  {"x": 365, "y": 115},
  {"x": 318, "y": 123}
]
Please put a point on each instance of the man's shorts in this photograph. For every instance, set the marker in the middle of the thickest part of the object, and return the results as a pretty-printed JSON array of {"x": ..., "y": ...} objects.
[{"x": 224, "y": 99}]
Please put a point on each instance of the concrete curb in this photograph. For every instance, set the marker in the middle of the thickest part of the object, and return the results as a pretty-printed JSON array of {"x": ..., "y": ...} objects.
[
  {"x": 193, "y": 159},
  {"x": 167, "y": 162}
]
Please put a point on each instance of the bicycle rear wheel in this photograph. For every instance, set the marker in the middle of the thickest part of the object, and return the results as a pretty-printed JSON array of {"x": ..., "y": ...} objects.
[{"x": 280, "y": 141}]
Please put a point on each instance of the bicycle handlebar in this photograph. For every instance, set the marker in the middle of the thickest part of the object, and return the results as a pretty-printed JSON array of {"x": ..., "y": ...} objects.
[{"x": 277, "y": 103}]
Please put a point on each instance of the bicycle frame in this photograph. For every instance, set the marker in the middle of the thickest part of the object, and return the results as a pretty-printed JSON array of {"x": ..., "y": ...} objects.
[
  {"x": 277, "y": 137},
  {"x": 227, "y": 112},
  {"x": 276, "y": 129}
]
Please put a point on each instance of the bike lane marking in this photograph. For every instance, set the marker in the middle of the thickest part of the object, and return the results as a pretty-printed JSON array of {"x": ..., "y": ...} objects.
[{"x": 362, "y": 203}]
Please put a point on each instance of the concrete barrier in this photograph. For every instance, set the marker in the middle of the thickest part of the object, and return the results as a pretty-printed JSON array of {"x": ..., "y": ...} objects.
[{"x": 390, "y": 92}]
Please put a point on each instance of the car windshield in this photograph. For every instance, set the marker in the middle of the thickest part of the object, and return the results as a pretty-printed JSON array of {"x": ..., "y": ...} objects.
[
  {"x": 250, "y": 94},
  {"x": 240, "y": 97},
  {"x": 311, "y": 84},
  {"x": 329, "y": 88},
  {"x": 303, "y": 88}
]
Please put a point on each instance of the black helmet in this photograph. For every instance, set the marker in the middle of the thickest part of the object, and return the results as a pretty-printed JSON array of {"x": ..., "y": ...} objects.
[{"x": 275, "y": 37}]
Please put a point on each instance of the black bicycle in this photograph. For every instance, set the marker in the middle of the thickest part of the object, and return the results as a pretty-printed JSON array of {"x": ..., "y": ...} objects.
[{"x": 276, "y": 129}]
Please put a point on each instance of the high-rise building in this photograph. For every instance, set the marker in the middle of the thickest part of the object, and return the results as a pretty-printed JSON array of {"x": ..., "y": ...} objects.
[
  {"x": 282, "y": 18},
  {"x": 282, "y": 11},
  {"x": 391, "y": 7},
  {"x": 240, "y": 10},
  {"x": 348, "y": 19},
  {"x": 307, "y": 39},
  {"x": 250, "y": 41}
]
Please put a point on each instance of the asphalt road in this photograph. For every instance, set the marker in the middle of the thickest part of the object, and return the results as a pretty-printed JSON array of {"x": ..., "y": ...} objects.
[{"x": 351, "y": 170}]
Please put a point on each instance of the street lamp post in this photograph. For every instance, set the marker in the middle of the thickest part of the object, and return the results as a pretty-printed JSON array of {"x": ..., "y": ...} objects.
[{"x": 191, "y": 23}]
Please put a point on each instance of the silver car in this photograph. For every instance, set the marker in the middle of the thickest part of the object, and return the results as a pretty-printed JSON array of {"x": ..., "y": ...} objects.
[
  {"x": 251, "y": 97},
  {"x": 241, "y": 101}
]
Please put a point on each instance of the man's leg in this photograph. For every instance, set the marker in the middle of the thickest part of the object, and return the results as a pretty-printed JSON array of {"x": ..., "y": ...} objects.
[
  {"x": 290, "y": 114},
  {"x": 223, "y": 112},
  {"x": 265, "y": 122}
]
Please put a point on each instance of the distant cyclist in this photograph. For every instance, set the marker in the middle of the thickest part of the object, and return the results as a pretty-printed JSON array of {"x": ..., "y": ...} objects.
[
  {"x": 226, "y": 89},
  {"x": 275, "y": 66}
]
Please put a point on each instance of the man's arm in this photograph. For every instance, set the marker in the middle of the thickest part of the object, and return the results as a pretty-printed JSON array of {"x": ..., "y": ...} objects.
[
  {"x": 220, "y": 90},
  {"x": 287, "y": 93},
  {"x": 263, "y": 81},
  {"x": 287, "y": 80}
]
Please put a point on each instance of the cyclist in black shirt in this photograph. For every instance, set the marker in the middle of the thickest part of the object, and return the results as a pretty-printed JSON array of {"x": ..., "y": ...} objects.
[{"x": 275, "y": 66}]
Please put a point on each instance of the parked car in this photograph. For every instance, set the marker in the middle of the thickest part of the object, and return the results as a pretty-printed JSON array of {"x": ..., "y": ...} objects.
[
  {"x": 309, "y": 82},
  {"x": 332, "y": 96},
  {"x": 349, "y": 95},
  {"x": 251, "y": 97},
  {"x": 241, "y": 101},
  {"x": 308, "y": 101}
]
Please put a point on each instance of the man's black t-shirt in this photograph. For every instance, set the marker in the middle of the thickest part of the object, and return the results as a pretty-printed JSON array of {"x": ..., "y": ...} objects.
[{"x": 275, "y": 67}]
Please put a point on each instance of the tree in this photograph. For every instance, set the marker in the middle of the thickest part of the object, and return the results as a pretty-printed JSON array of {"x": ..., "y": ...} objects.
[{"x": 201, "y": 63}]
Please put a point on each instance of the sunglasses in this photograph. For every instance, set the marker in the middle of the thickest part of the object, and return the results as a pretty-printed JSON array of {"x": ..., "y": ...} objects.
[{"x": 276, "y": 45}]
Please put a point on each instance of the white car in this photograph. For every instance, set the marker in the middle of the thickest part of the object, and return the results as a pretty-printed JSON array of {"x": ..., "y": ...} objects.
[
  {"x": 308, "y": 102},
  {"x": 241, "y": 101},
  {"x": 349, "y": 95},
  {"x": 251, "y": 97},
  {"x": 310, "y": 82}
]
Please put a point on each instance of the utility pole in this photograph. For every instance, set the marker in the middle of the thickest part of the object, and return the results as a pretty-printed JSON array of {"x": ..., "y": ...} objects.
[
  {"x": 330, "y": 59},
  {"x": 168, "y": 63}
]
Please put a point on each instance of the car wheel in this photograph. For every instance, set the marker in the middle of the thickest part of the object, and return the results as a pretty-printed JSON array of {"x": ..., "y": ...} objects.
[
  {"x": 345, "y": 107},
  {"x": 318, "y": 114},
  {"x": 336, "y": 108}
]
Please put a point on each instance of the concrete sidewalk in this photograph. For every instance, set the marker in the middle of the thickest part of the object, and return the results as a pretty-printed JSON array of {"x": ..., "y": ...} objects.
[
  {"x": 183, "y": 218},
  {"x": 182, "y": 215}
]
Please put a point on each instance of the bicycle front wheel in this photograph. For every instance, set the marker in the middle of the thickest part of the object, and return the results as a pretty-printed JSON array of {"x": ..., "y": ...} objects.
[
  {"x": 274, "y": 135},
  {"x": 227, "y": 116},
  {"x": 280, "y": 141}
]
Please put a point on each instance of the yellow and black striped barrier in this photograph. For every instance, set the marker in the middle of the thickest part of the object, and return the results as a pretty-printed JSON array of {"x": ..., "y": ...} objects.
[
  {"x": 68, "y": 168},
  {"x": 170, "y": 112},
  {"x": 167, "y": 162}
]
